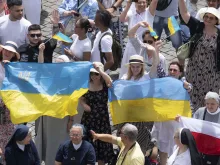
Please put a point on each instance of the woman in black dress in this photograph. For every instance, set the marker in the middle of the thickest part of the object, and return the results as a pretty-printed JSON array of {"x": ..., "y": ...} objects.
[{"x": 96, "y": 116}]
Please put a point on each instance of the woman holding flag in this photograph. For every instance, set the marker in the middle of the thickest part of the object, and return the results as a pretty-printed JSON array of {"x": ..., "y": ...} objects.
[{"x": 203, "y": 68}]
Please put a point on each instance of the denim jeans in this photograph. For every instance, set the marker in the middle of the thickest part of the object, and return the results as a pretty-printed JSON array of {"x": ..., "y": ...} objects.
[{"x": 161, "y": 23}]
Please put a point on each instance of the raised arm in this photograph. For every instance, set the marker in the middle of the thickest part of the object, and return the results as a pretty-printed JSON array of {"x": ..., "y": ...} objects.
[
  {"x": 183, "y": 11},
  {"x": 153, "y": 6},
  {"x": 133, "y": 30},
  {"x": 104, "y": 137},
  {"x": 123, "y": 17}
]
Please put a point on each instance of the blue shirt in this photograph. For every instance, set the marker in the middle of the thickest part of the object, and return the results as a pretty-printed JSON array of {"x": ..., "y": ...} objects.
[{"x": 67, "y": 154}]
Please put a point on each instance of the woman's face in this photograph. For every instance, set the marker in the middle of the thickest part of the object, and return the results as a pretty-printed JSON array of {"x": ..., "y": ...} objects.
[
  {"x": 7, "y": 55},
  {"x": 213, "y": 3},
  {"x": 212, "y": 105},
  {"x": 149, "y": 40},
  {"x": 174, "y": 71},
  {"x": 95, "y": 76},
  {"x": 141, "y": 5},
  {"x": 78, "y": 29},
  {"x": 136, "y": 69},
  {"x": 210, "y": 19},
  {"x": 27, "y": 139}
]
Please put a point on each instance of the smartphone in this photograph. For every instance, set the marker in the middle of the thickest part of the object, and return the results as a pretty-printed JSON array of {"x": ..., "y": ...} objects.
[{"x": 76, "y": 14}]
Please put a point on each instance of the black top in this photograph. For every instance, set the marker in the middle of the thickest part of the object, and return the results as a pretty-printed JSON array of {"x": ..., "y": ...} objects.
[
  {"x": 67, "y": 154},
  {"x": 15, "y": 156},
  {"x": 30, "y": 54},
  {"x": 196, "y": 28}
]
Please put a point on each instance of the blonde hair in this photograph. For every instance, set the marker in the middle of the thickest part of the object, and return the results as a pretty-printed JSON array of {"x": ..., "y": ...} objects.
[{"x": 130, "y": 74}]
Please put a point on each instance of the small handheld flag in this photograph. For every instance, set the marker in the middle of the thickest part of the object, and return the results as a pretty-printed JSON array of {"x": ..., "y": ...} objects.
[
  {"x": 152, "y": 32},
  {"x": 173, "y": 25},
  {"x": 61, "y": 37}
]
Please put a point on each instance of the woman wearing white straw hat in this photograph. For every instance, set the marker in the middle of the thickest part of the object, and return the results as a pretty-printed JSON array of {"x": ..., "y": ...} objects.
[
  {"x": 8, "y": 53},
  {"x": 203, "y": 69},
  {"x": 136, "y": 72}
]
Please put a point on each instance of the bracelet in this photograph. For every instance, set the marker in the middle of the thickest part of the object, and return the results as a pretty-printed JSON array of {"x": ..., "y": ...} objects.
[{"x": 115, "y": 8}]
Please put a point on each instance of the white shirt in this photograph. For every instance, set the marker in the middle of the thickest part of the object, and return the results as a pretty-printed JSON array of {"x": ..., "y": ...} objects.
[
  {"x": 15, "y": 31},
  {"x": 143, "y": 78},
  {"x": 134, "y": 18},
  {"x": 80, "y": 46},
  {"x": 182, "y": 159},
  {"x": 77, "y": 146},
  {"x": 106, "y": 45}
]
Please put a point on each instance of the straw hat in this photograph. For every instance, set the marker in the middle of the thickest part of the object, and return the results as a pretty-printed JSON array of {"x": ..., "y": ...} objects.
[
  {"x": 64, "y": 58},
  {"x": 101, "y": 66},
  {"x": 136, "y": 59},
  {"x": 210, "y": 10},
  {"x": 12, "y": 47}
]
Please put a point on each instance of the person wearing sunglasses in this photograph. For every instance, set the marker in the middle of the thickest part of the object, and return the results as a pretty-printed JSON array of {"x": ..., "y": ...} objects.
[
  {"x": 39, "y": 50},
  {"x": 96, "y": 116},
  {"x": 76, "y": 150},
  {"x": 140, "y": 46}
]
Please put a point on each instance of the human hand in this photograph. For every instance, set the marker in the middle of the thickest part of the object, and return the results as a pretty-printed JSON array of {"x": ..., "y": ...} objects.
[
  {"x": 86, "y": 108},
  {"x": 177, "y": 118},
  {"x": 186, "y": 85},
  {"x": 143, "y": 24},
  {"x": 1, "y": 153},
  {"x": 5, "y": 61},
  {"x": 158, "y": 45},
  {"x": 111, "y": 10},
  {"x": 96, "y": 66},
  {"x": 68, "y": 52},
  {"x": 55, "y": 17},
  {"x": 94, "y": 135},
  {"x": 41, "y": 47}
]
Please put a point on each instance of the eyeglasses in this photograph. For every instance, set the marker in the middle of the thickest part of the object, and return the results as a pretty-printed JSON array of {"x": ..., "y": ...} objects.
[
  {"x": 94, "y": 74},
  {"x": 150, "y": 42},
  {"x": 210, "y": 18},
  {"x": 174, "y": 70},
  {"x": 37, "y": 35},
  {"x": 75, "y": 135}
]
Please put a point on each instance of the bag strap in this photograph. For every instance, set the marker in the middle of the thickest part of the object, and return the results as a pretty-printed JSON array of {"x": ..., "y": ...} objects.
[
  {"x": 102, "y": 55},
  {"x": 204, "y": 114}
]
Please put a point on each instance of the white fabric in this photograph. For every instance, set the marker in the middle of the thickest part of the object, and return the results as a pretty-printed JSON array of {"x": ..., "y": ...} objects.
[
  {"x": 80, "y": 46},
  {"x": 76, "y": 146},
  {"x": 21, "y": 146},
  {"x": 164, "y": 132},
  {"x": 171, "y": 10},
  {"x": 15, "y": 31},
  {"x": 134, "y": 18},
  {"x": 106, "y": 45},
  {"x": 2, "y": 74},
  {"x": 150, "y": 61},
  {"x": 143, "y": 78},
  {"x": 32, "y": 10},
  {"x": 182, "y": 159}
]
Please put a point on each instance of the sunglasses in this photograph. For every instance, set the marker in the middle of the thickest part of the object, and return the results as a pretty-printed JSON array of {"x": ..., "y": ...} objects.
[
  {"x": 210, "y": 18},
  {"x": 174, "y": 70},
  {"x": 150, "y": 42},
  {"x": 35, "y": 35},
  {"x": 94, "y": 74}
]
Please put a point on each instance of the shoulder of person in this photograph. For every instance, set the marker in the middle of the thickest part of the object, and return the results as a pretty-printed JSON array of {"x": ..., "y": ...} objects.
[
  {"x": 86, "y": 144},
  {"x": 107, "y": 35},
  {"x": 25, "y": 22}
]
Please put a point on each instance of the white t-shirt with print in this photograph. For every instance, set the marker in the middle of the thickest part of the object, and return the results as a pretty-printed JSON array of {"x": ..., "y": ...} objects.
[
  {"x": 106, "y": 45},
  {"x": 15, "y": 31},
  {"x": 80, "y": 46},
  {"x": 145, "y": 77}
]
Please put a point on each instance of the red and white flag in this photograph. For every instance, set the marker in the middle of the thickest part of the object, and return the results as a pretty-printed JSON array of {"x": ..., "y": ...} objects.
[{"x": 206, "y": 134}]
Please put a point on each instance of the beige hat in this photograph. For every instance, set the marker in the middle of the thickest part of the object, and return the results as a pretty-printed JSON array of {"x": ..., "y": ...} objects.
[
  {"x": 136, "y": 59},
  {"x": 210, "y": 10},
  {"x": 12, "y": 47},
  {"x": 65, "y": 58},
  {"x": 101, "y": 66}
]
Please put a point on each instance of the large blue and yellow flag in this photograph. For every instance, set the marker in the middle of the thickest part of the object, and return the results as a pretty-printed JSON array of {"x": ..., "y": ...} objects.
[
  {"x": 153, "y": 100},
  {"x": 31, "y": 90}
]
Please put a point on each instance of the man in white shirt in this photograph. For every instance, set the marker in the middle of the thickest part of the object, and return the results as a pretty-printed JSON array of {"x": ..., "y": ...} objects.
[
  {"x": 102, "y": 21},
  {"x": 14, "y": 27}
]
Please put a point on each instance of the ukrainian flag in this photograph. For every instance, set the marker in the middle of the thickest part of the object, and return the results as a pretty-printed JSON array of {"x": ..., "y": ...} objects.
[
  {"x": 61, "y": 37},
  {"x": 31, "y": 90},
  {"x": 153, "y": 100},
  {"x": 173, "y": 25},
  {"x": 152, "y": 32}
]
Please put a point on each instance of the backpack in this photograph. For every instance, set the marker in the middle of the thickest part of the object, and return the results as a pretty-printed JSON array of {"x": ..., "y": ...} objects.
[
  {"x": 163, "y": 4},
  {"x": 116, "y": 52}
]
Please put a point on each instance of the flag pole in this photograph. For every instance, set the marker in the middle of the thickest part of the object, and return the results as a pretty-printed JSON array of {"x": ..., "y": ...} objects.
[{"x": 48, "y": 40}]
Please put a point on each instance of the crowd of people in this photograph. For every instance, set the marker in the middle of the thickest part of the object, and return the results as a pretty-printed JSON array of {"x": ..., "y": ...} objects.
[{"x": 95, "y": 28}]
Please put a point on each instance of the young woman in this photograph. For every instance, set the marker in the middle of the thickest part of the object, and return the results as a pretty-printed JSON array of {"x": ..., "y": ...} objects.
[
  {"x": 21, "y": 149},
  {"x": 96, "y": 116},
  {"x": 185, "y": 152},
  {"x": 8, "y": 53},
  {"x": 80, "y": 50}
]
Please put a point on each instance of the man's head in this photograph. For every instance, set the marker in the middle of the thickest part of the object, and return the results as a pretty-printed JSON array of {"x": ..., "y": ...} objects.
[
  {"x": 128, "y": 134},
  {"x": 175, "y": 70},
  {"x": 34, "y": 34},
  {"x": 16, "y": 9},
  {"x": 76, "y": 133},
  {"x": 102, "y": 18},
  {"x": 213, "y": 3}
]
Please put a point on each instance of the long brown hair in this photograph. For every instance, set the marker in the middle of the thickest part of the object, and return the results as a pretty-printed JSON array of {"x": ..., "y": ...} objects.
[{"x": 130, "y": 74}]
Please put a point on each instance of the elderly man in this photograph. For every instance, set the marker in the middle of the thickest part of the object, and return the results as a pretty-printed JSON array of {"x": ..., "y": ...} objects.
[
  {"x": 76, "y": 151},
  {"x": 130, "y": 153}
]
